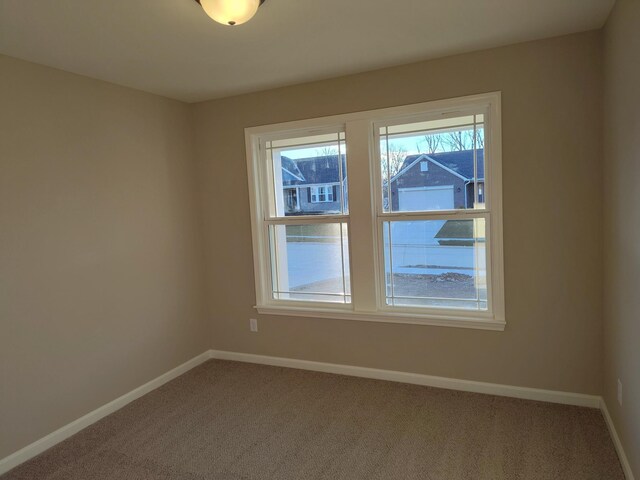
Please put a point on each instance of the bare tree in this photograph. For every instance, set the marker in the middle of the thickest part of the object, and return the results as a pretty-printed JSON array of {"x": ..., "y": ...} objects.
[
  {"x": 326, "y": 151},
  {"x": 456, "y": 141},
  {"x": 431, "y": 143},
  {"x": 392, "y": 158},
  {"x": 464, "y": 140},
  {"x": 479, "y": 139}
]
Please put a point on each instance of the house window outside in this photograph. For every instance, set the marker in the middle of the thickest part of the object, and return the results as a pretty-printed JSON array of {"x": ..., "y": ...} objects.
[
  {"x": 434, "y": 233},
  {"x": 322, "y": 194}
]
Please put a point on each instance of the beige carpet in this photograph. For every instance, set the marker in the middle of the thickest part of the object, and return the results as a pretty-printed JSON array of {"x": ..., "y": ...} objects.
[{"x": 234, "y": 421}]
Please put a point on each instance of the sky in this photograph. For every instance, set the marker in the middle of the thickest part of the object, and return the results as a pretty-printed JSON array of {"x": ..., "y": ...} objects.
[{"x": 409, "y": 144}]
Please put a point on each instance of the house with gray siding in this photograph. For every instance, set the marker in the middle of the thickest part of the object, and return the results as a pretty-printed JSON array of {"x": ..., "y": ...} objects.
[{"x": 312, "y": 186}]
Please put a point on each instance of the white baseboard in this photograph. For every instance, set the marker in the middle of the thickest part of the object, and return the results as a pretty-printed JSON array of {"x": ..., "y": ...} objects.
[
  {"x": 566, "y": 398},
  {"x": 624, "y": 461},
  {"x": 579, "y": 399},
  {"x": 74, "y": 427}
]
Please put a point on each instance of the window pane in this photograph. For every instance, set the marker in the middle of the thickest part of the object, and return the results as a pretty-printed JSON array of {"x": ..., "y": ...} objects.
[
  {"x": 305, "y": 170},
  {"x": 433, "y": 165},
  {"x": 436, "y": 263},
  {"x": 310, "y": 262}
]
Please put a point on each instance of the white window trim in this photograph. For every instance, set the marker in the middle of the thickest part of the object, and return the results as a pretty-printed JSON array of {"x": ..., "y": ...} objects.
[
  {"x": 327, "y": 190},
  {"x": 365, "y": 214}
]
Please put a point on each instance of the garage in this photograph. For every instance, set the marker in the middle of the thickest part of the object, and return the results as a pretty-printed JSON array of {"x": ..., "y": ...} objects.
[{"x": 425, "y": 198}]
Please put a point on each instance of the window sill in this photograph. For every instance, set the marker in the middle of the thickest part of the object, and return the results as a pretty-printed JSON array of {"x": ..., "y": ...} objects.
[{"x": 387, "y": 317}]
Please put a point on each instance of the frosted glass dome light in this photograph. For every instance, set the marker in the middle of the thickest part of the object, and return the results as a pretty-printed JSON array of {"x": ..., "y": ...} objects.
[{"x": 231, "y": 12}]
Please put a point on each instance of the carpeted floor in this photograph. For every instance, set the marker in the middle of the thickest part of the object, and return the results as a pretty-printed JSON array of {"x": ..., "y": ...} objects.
[{"x": 234, "y": 421}]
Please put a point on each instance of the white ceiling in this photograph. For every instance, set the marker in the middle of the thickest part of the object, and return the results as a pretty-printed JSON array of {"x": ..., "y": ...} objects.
[{"x": 170, "y": 47}]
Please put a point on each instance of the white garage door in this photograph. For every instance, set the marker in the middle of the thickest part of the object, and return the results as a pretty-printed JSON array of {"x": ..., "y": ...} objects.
[{"x": 426, "y": 198}]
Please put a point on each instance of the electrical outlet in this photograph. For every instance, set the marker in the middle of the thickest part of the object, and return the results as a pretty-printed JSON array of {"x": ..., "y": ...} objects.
[
  {"x": 619, "y": 392},
  {"x": 253, "y": 324}
]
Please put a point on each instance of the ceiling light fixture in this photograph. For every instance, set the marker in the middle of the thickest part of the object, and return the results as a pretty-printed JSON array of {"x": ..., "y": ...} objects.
[{"x": 230, "y": 12}]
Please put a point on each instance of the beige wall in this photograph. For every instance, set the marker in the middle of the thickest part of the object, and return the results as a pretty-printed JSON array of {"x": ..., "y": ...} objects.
[
  {"x": 552, "y": 219},
  {"x": 100, "y": 275},
  {"x": 622, "y": 223},
  {"x": 101, "y": 285}
]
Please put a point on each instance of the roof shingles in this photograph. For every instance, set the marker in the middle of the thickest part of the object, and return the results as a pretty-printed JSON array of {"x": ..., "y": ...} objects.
[
  {"x": 460, "y": 162},
  {"x": 313, "y": 171}
]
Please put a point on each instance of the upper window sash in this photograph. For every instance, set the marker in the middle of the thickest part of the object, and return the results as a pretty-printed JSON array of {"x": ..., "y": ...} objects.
[
  {"x": 397, "y": 157},
  {"x": 303, "y": 159}
]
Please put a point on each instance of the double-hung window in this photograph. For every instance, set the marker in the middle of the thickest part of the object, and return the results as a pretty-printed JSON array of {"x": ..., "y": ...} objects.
[
  {"x": 303, "y": 254},
  {"x": 405, "y": 228}
]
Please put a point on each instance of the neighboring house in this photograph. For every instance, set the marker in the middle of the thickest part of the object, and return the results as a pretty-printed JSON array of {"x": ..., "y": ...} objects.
[
  {"x": 312, "y": 185},
  {"x": 434, "y": 181},
  {"x": 437, "y": 181}
]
